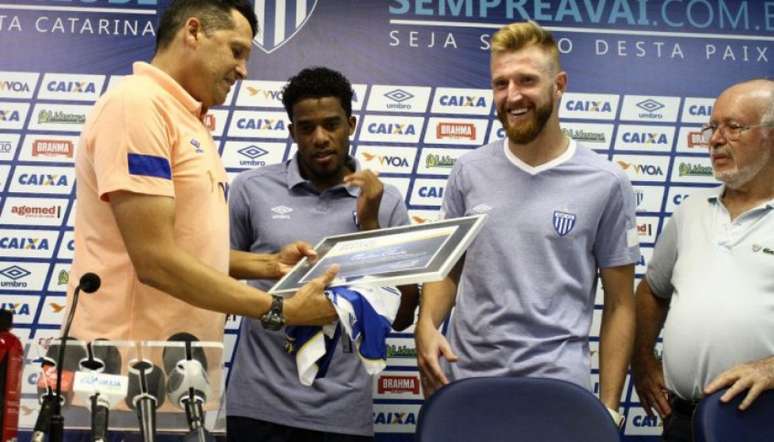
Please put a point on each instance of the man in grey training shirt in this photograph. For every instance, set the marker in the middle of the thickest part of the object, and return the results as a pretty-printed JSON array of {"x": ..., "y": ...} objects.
[
  {"x": 321, "y": 191},
  {"x": 710, "y": 282},
  {"x": 558, "y": 213}
]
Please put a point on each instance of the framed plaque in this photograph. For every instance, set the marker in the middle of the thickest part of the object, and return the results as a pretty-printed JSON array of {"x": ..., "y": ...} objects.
[{"x": 393, "y": 256}]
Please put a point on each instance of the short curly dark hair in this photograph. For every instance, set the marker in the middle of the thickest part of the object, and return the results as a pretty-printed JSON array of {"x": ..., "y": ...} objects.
[{"x": 317, "y": 82}]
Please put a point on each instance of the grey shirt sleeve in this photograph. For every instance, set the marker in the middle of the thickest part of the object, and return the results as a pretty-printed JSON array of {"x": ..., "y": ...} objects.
[
  {"x": 661, "y": 265},
  {"x": 453, "y": 197},
  {"x": 239, "y": 216},
  {"x": 612, "y": 245}
]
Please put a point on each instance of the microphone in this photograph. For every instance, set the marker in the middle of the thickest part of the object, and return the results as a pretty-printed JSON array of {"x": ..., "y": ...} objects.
[
  {"x": 188, "y": 385},
  {"x": 55, "y": 379},
  {"x": 101, "y": 385},
  {"x": 145, "y": 394},
  {"x": 88, "y": 283}
]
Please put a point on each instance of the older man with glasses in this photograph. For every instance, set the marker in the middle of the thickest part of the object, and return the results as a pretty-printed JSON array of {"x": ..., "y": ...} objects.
[{"x": 710, "y": 282}]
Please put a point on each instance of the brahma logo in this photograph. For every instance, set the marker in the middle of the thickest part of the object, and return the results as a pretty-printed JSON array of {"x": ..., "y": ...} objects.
[
  {"x": 52, "y": 148},
  {"x": 398, "y": 384},
  {"x": 276, "y": 29},
  {"x": 445, "y": 129},
  {"x": 696, "y": 140},
  {"x": 415, "y": 219}
]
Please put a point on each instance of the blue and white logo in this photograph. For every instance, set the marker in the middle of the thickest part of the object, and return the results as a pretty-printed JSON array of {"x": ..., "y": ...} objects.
[
  {"x": 563, "y": 222},
  {"x": 280, "y": 21}
]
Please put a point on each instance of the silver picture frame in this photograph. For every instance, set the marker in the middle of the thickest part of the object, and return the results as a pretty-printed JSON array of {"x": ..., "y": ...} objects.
[{"x": 393, "y": 256}]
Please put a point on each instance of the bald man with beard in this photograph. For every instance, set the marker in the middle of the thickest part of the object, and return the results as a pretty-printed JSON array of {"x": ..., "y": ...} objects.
[{"x": 710, "y": 283}]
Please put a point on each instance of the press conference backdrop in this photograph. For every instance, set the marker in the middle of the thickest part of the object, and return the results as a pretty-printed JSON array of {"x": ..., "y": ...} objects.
[{"x": 642, "y": 77}]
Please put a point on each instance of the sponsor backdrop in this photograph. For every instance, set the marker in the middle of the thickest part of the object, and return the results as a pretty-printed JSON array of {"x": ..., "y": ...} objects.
[{"x": 643, "y": 74}]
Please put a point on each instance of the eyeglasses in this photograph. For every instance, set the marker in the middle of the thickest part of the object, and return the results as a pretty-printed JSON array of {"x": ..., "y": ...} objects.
[{"x": 731, "y": 131}]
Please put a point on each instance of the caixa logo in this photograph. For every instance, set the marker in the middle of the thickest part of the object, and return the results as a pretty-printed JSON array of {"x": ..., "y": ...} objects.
[
  {"x": 392, "y": 129},
  {"x": 42, "y": 180},
  {"x": 646, "y": 421},
  {"x": 462, "y": 101},
  {"x": 645, "y": 138},
  {"x": 700, "y": 110},
  {"x": 261, "y": 124},
  {"x": 9, "y": 115},
  {"x": 679, "y": 198},
  {"x": 22, "y": 243},
  {"x": 588, "y": 106},
  {"x": 395, "y": 418},
  {"x": 81, "y": 87},
  {"x": 17, "y": 308},
  {"x": 431, "y": 192}
]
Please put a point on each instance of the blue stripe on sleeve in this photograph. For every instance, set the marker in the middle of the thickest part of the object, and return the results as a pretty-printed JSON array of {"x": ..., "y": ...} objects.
[{"x": 149, "y": 165}]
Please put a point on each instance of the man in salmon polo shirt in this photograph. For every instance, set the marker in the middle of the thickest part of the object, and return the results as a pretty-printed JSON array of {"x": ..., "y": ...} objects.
[{"x": 152, "y": 215}]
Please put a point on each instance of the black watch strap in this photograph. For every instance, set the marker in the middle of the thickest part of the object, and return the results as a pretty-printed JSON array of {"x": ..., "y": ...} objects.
[{"x": 274, "y": 319}]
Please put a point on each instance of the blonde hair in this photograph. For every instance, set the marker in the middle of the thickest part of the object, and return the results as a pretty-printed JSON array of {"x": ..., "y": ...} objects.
[{"x": 521, "y": 35}]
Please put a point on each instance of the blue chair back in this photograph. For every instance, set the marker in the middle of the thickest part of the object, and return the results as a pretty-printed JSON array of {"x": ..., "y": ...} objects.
[
  {"x": 714, "y": 421},
  {"x": 495, "y": 409}
]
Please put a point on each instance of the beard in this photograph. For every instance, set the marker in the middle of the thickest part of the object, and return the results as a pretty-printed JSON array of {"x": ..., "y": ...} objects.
[
  {"x": 738, "y": 177},
  {"x": 527, "y": 131}
]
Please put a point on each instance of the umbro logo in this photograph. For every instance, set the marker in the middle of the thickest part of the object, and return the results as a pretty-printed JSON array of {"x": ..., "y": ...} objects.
[
  {"x": 481, "y": 208},
  {"x": 281, "y": 212}
]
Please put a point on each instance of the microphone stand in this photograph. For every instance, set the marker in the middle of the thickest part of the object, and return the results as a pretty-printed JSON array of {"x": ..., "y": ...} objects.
[{"x": 57, "y": 420}]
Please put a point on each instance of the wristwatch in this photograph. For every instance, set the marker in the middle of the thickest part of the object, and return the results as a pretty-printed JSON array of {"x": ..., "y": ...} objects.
[{"x": 274, "y": 319}]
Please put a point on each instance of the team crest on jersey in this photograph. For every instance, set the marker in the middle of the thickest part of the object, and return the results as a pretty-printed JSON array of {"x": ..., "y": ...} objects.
[
  {"x": 280, "y": 21},
  {"x": 563, "y": 222}
]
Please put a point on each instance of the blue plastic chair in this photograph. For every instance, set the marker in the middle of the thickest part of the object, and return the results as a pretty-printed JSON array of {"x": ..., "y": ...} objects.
[
  {"x": 495, "y": 409},
  {"x": 714, "y": 421}
]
